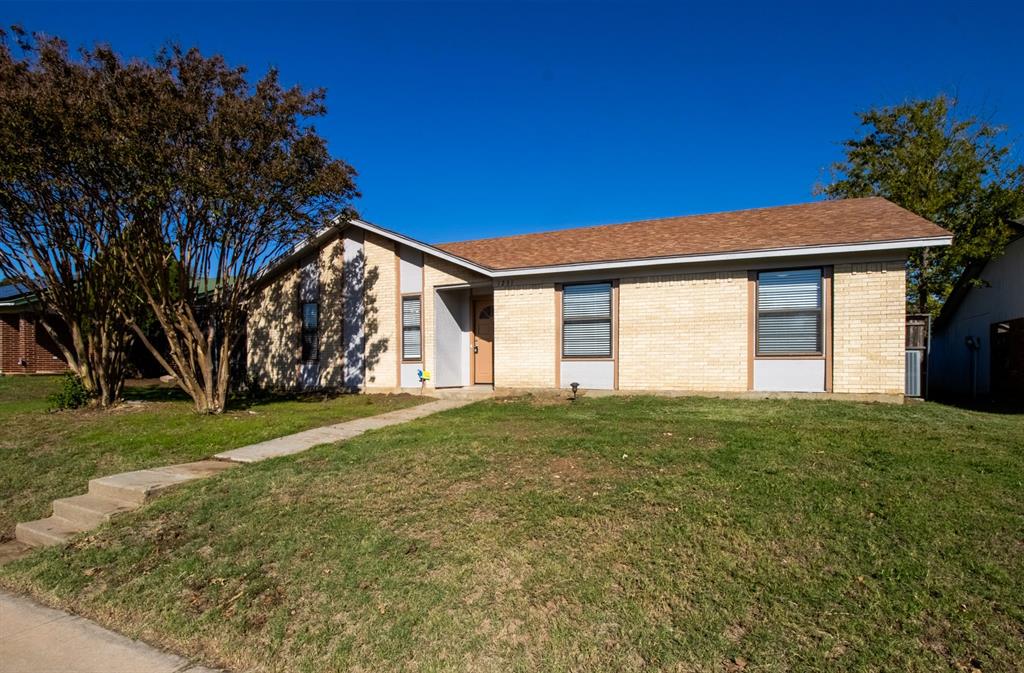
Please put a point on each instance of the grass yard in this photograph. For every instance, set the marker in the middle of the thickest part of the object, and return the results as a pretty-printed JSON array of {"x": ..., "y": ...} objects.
[
  {"x": 614, "y": 534},
  {"x": 46, "y": 455}
]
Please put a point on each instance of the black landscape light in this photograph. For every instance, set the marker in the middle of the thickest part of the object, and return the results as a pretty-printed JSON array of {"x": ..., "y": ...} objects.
[{"x": 575, "y": 386}]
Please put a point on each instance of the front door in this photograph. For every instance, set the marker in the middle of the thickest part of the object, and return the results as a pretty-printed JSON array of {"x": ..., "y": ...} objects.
[{"x": 483, "y": 341}]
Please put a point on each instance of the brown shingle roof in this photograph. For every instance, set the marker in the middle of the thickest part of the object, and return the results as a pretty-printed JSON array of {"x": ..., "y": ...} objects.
[{"x": 810, "y": 224}]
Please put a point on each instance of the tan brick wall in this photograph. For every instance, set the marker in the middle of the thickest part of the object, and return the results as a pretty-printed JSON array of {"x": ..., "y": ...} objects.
[
  {"x": 524, "y": 334},
  {"x": 274, "y": 325},
  {"x": 381, "y": 326},
  {"x": 332, "y": 356},
  {"x": 683, "y": 332},
  {"x": 437, "y": 272},
  {"x": 869, "y": 322},
  {"x": 274, "y": 322},
  {"x": 272, "y": 334}
]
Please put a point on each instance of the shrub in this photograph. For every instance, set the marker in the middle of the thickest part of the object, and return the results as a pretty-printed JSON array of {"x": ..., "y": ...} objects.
[{"x": 72, "y": 393}]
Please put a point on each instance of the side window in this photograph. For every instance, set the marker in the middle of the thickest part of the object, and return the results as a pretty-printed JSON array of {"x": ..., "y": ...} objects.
[
  {"x": 310, "y": 332},
  {"x": 411, "y": 342},
  {"x": 789, "y": 312},
  {"x": 309, "y": 312},
  {"x": 587, "y": 320}
]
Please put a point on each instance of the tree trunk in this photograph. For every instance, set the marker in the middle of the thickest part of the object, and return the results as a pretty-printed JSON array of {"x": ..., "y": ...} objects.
[
  {"x": 99, "y": 366},
  {"x": 190, "y": 362},
  {"x": 224, "y": 373}
]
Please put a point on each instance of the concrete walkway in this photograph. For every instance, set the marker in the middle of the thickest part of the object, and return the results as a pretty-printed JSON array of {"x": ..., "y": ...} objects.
[
  {"x": 118, "y": 493},
  {"x": 301, "y": 441},
  {"x": 36, "y": 639}
]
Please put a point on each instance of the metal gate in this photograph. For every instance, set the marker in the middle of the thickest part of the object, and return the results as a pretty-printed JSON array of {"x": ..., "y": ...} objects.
[
  {"x": 915, "y": 360},
  {"x": 916, "y": 364}
]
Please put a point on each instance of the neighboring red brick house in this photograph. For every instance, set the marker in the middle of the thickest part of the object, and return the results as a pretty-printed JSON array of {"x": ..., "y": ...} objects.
[{"x": 26, "y": 347}]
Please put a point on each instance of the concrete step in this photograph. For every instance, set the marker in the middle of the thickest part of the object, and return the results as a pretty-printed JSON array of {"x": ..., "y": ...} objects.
[
  {"x": 90, "y": 510},
  {"x": 47, "y": 532},
  {"x": 142, "y": 485},
  {"x": 478, "y": 392}
]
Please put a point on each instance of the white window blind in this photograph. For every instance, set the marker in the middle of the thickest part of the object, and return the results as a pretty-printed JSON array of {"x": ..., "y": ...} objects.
[
  {"x": 411, "y": 342},
  {"x": 789, "y": 311},
  {"x": 587, "y": 320}
]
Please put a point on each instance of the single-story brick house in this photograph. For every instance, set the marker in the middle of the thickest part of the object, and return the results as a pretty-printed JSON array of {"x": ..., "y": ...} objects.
[
  {"x": 26, "y": 347},
  {"x": 805, "y": 298}
]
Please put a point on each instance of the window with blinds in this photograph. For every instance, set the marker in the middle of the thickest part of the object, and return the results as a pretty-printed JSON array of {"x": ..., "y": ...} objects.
[
  {"x": 411, "y": 332},
  {"x": 587, "y": 320},
  {"x": 789, "y": 312},
  {"x": 310, "y": 331}
]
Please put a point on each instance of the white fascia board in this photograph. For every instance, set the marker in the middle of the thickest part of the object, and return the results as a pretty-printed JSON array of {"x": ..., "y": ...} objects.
[
  {"x": 899, "y": 244},
  {"x": 423, "y": 247},
  {"x": 340, "y": 225},
  {"x": 903, "y": 244},
  {"x": 297, "y": 249}
]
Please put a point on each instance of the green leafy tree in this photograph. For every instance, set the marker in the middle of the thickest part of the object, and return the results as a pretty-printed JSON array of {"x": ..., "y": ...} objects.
[{"x": 952, "y": 170}]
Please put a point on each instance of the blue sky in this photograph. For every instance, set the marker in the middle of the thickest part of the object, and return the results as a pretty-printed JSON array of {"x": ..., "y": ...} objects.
[{"x": 481, "y": 119}]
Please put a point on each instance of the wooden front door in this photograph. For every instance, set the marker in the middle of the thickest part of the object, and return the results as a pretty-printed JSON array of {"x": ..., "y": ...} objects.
[{"x": 483, "y": 341}]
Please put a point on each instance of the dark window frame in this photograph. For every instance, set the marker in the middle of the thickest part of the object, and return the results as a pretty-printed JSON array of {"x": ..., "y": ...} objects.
[
  {"x": 820, "y": 312},
  {"x": 309, "y": 336},
  {"x": 610, "y": 320},
  {"x": 418, "y": 327}
]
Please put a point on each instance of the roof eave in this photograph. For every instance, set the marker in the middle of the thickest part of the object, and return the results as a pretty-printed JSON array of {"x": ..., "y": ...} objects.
[
  {"x": 425, "y": 247},
  {"x": 26, "y": 299},
  {"x": 967, "y": 277},
  {"x": 489, "y": 272},
  {"x": 802, "y": 251}
]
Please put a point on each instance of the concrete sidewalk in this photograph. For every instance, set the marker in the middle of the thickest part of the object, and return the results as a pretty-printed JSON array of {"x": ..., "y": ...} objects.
[
  {"x": 301, "y": 441},
  {"x": 36, "y": 639}
]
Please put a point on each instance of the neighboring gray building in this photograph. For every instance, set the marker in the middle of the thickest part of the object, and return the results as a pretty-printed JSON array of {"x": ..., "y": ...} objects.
[{"x": 978, "y": 339}]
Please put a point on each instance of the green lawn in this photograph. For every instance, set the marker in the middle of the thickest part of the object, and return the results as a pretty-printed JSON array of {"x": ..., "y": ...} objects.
[
  {"x": 612, "y": 534},
  {"x": 46, "y": 455}
]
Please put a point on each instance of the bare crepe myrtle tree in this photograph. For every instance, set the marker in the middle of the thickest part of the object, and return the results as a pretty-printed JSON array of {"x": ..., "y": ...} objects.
[
  {"x": 66, "y": 127},
  {"x": 248, "y": 179}
]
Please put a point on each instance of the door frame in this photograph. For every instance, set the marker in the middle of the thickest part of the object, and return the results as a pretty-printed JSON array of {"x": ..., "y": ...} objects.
[{"x": 472, "y": 340}]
